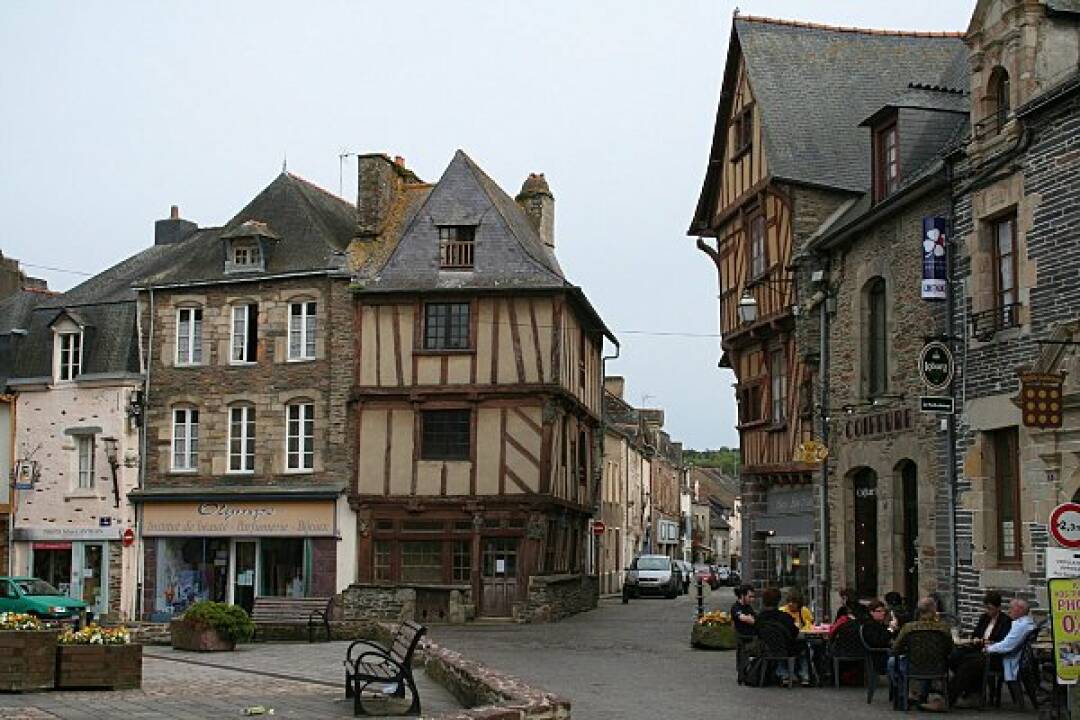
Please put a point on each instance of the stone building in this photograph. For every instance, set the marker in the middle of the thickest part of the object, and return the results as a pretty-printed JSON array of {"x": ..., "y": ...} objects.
[
  {"x": 247, "y": 342},
  {"x": 476, "y": 400},
  {"x": 1017, "y": 260},
  {"x": 785, "y": 163}
]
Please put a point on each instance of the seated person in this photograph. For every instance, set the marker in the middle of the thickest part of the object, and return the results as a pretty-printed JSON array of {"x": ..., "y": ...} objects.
[
  {"x": 898, "y": 609},
  {"x": 843, "y": 617},
  {"x": 742, "y": 612},
  {"x": 926, "y": 618},
  {"x": 876, "y": 632},
  {"x": 796, "y": 608},
  {"x": 771, "y": 615},
  {"x": 851, "y": 603},
  {"x": 968, "y": 663},
  {"x": 1010, "y": 646}
]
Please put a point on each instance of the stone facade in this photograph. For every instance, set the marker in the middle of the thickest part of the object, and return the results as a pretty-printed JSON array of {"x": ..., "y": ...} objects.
[{"x": 422, "y": 603}]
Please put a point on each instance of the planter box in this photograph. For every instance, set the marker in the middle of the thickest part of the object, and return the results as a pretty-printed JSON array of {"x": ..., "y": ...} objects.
[
  {"x": 713, "y": 637},
  {"x": 117, "y": 667},
  {"x": 199, "y": 637},
  {"x": 27, "y": 660}
]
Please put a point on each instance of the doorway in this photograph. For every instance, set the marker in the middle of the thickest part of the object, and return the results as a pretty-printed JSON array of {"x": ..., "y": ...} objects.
[
  {"x": 52, "y": 563},
  {"x": 909, "y": 488},
  {"x": 90, "y": 576},
  {"x": 864, "y": 489},
  {"x": 244, "y": 552},
  {"x": 499, "y": 577}
]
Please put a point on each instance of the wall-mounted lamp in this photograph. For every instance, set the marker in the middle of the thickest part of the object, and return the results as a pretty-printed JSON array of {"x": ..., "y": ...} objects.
[{"x": 747, "y": 308}]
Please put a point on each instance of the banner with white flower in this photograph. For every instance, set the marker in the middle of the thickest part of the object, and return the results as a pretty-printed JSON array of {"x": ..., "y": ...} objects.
[{"x": 935, "y": 270}]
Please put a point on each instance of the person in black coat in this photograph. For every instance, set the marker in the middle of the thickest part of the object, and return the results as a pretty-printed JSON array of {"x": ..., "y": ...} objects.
[
  {"x": 782, "y": 625},
  {"x": 969, "y": 663}
]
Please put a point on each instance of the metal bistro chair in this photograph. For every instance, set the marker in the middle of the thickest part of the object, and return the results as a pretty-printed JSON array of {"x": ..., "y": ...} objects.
[
  {"x": 994, "y": 675},
  {"x": 741, "y": 656},
  {"x": 776, "y": 648},
  {"x": 928, "y": 659},
  {"x": 876, "y": 660},
  {"x": 846, "y": 646}
]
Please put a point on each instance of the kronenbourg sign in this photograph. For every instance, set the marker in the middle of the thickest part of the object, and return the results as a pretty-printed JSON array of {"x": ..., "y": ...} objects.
[{"x": 935, "y": 279}]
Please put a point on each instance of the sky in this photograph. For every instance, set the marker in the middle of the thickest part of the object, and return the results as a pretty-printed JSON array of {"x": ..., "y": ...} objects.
[{"x": 110, "y": 112}]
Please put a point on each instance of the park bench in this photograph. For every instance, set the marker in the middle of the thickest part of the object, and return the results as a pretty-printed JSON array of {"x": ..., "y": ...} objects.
[
  {"x": 271, "y": 611},
  {"x": 367, "y": 663}
]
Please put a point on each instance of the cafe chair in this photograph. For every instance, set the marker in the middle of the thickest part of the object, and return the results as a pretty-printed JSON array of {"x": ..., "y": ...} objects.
[
  {"x": 928, "y": 660},
  {"x": 846, "y": 646},
  {"x": 876, "y": 660},
  {"x": 775, "y": 648},
  {"x": 1027, "y": 674}
]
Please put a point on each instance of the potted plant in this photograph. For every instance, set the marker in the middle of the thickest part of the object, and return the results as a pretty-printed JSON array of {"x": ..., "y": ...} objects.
[
  {"x": 211, "y": 626},
  {"x": 28, "y": 652},
  {"x": 97, "y": 657},
  {"x": 714, "y": 631}
]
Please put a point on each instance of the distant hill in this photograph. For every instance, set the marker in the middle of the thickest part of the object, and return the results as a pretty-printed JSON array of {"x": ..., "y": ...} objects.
[{"x": 726, "y": 459}]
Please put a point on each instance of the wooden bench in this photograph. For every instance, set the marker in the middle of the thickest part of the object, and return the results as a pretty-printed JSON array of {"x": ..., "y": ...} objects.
[
  {"x": 368, "y": 662},
  {"x": 293, "y": 611}
]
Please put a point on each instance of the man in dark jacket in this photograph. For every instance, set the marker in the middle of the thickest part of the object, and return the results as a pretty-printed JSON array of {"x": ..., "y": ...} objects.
[
  {"x": 969, "y": 663},
  {"x": 773, "y": 624}
]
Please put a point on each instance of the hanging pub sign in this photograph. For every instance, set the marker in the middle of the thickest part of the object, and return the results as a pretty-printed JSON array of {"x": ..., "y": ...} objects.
[
  {"x": 1040, "y": 399},
  {"x": 936, "y": 367},
  {"x": 935, "y": 278}
]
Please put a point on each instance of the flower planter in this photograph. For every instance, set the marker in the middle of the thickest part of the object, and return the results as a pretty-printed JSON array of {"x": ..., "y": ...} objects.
[
  {"x": 27, "y": 660},
  {"x": 713, "y": 637},
  {"x": 117, "y": 667},
  {"x": 199, "y": 637}
]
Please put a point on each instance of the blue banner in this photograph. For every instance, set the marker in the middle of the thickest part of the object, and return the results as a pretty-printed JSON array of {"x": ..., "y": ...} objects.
[{"x": 935, "y": 269}]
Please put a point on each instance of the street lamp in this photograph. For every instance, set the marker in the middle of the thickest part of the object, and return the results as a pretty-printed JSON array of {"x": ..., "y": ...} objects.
[
  {"x": 111, "y": 454},
  {"x": 747, "y": 308}
]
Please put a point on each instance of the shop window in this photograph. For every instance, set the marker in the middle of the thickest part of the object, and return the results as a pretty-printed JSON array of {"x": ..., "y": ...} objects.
[
  {"x": 300, "y": 437},
  {"x": 382, "y": 560},
  {"x": 245, "y": 334},
  {"x": 421, "y": 561},
  {"x": 190, "y": 570},
  {"x": 778, "y": 380},
  {"x": 302, "y": 323},
  {"x": 185, "y": 439},
  {"x": 70, "y": 361},
  {"x": 85, "y": 447},
  {"x": 1004, "y": 445},
  {"x": 283, "y": 567},
  {"x": 189, "y": 336},
  {"x": 462, "y": 561},
  {"x": 242, "y": 439},
  {"x": 446, "y": 326},
  {"x": 877, "y": 339},
  {"x": 445, "y": 434}
]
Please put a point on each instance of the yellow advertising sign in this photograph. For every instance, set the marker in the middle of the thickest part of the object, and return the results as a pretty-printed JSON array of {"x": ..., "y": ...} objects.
[
  {"x": 226, "y": 518},
  {"x": 1065, "y": 611}
]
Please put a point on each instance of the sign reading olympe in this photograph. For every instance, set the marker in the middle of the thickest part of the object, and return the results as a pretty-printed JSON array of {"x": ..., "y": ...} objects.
[
  {"x": 935, "y": 271},
  {"x": 220, "y": 518}
]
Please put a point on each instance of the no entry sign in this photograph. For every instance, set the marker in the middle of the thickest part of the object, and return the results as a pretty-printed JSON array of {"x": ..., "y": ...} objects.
[
  {"x": 598, "y": 527},
  {"x": 1065, "y": 524}
]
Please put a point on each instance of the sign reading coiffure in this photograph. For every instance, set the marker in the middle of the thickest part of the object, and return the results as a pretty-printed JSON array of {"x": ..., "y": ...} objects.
[
  {"x": 935, "y": 270},
  {"x": 226, "y": 518}
]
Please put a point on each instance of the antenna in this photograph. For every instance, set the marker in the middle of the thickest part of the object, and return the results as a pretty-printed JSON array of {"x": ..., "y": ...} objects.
[{"x": 340, "y": 170}]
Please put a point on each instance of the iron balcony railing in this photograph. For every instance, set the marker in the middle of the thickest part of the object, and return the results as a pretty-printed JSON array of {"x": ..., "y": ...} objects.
[{"x": 986, "y": 324}]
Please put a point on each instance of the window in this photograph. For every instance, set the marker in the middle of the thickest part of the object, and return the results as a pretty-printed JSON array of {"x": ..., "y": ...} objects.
[
  {"x": 886, "y": 162},
  {"x": 759, "y": 260},
  {"x": 85, "y": 445},
  {"x": 462, "y": 570},
  {"x": 185, "y": 444},
  {"x": 750, "y": 405},
  {"x": 421, "y": 561},
  {"x": 1005, "y": 270},
  {"x": 778, "y": 378},
  {"x": 70, "y": 355},
  {"x": 382, "y": 560},
  {"x": 446, "y": 326},
  {"x": 189, "y": 336},
  {"x": 877, "y": 339},
  {"x": 445, "y": 434},
  {"x": 242, "y": 439},
  {"x": 302, "y": 330},
  {"x": 743, "y": 135},
  {"x": 1007, "y": 488},
  {"x": 999, "y": 98},
  {"x": 245, "y": 333},
  {"x": 300, "y": 437},
  {"x": 456, "y": 246},
  {"x": 246, "y": 255}
]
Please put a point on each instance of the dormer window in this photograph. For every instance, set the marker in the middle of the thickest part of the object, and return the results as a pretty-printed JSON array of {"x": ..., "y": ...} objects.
[
  {"x": 886, "y": 161},
  {"x": 999, "y": 99},
  {"x": 246, "y": 255},
  {"x": 70, "y": 347},
  {"x": 456, "y": 243},
  {"x": 247, "y": 246}
]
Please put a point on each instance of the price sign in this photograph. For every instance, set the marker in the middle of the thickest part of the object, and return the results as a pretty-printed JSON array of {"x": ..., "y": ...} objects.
[{"x": 1065, "y": 524}]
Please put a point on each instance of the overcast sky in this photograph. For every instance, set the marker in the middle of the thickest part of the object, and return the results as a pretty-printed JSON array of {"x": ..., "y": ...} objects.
[{"x": 112, "y": 112}]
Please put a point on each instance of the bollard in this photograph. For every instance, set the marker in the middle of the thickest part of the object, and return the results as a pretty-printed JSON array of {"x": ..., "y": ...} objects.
[{"x": 700, "y": 598}]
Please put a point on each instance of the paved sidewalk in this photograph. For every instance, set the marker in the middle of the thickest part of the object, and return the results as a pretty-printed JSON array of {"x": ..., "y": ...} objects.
[{"x": 297, "y": 680}]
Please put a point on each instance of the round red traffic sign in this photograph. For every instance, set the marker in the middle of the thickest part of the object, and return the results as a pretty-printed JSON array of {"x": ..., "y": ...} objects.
[
  {"x": 1065, "y": 524},
  {"x": 128, "y": 537},
  {"x": 598, "y": 527}
]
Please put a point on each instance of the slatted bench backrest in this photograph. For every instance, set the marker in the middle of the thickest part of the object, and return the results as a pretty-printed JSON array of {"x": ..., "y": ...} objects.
[
  {"x": 405, "y": 641},
  {"x": 286, "y": 610}
]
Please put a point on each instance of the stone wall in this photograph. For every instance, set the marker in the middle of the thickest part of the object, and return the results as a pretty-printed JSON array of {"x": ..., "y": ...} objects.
[
  {"x": 369, "y": 601},
  {"x": 553, "y": 597}
]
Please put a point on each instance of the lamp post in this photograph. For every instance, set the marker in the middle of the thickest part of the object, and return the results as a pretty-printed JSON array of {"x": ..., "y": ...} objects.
[{"x": 111, "y": 454}]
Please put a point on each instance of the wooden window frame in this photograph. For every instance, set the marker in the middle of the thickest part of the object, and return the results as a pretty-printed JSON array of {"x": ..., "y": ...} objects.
[
  {"x": 998, "y": 92},
  {"x": 247, "y": 438},
  {"x": 189, "y": 351},
  {"x": 85, "y": 448},
  {"x": 298, "y": 429},
  {"x": 70, "y": 350},
  {"x": 457, "y": 247},
  {"x": 189, "y": 440},
  {"x": 746, "y": 394},
  {"x": 778, "y": 417},
  {"x": 742, "y": 124},
  {"x": 997, "y": 258},
  {"x": 1005, "y": 444},
  {"x": 453, "y": 451},
  {"x": 435, "y": 344},
  {"x": 755, "y": 218},
  {"x": 303, "y": 326},
  {"x": 886, "y": 184},
  {"x": 244, "y": 345}
]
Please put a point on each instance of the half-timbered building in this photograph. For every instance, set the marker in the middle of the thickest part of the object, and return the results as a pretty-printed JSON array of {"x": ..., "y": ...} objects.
[{"x": 476, "y": 401}]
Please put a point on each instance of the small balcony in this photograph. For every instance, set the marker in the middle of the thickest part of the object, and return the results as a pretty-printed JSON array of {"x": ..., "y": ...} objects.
[
  {"x": 988, "y": 323},
  {"x": 456, "y": 255}
]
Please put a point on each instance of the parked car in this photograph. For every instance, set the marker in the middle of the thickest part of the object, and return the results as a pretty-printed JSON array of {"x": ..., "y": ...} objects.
[
  {"x": 723, "y": 574},
  {"x": 37, "y": 597},
  {"x": 652, "y": 575},
  {"x": 707, "y": 575},
  {"x": 687, "y": 572}
]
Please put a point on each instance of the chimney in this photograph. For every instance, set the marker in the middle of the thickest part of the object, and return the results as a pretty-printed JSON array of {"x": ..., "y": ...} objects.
[
  {"x": 380, "y": 182},
  {"x": 174, "y": 229},
  {"x": 538, "y": 203},
  {"x": 615, "y": 384}
]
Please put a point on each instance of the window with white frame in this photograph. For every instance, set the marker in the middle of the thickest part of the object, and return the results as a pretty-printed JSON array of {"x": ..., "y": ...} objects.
[
  {"x": 300, "y": 437},
  {"x": 245, "y": 333},
  {"x": 302, "y": 330},
  {"x": 246, "y": 254},
  {"x": 185, "y": 443},
  {"x": 85, "y": 446},
  {"x": 189, "y": 336},
  {"x": 70, "y": 345},
  {"x": 242, "y": 439}
]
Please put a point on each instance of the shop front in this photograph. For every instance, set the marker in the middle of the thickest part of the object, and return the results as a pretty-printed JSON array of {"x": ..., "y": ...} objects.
[
  {"x": 236, "y": 550},
  {"x": 82, "y": 563},
  {"x": 788, "y": 532}
]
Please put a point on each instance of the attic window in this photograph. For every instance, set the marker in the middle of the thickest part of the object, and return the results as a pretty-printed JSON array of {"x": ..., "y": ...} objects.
[
  {"x": 246, "y": 255},
  {"x": 456, "y": 246},
  {"x": 69, "y": 345},
  {"x": 999, "y": 98},
  {"x": 886, "y": 161},
  {"x": 743, "y": 136}
]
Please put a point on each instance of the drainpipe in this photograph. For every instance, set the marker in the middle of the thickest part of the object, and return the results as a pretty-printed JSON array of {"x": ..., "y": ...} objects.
[
  {"x": 950, "y": 306},
  {"x": 140, "y": 571},
  {"x": 824, "y": 572}
]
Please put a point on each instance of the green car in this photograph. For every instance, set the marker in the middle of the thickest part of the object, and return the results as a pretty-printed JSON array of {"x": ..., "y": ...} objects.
[{"x": 37, "y": 597}]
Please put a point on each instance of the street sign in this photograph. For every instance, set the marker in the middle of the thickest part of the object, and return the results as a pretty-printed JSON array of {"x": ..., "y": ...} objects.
[
  {"x": 1065, "y": 524},
  {"x": 128, "y": 537},
  {"x": 940, "y": 405},
  {"x": 936, "y": 365},
  {"x": 1062, "y": 563},
  {"x": 598, "y": 527},
  {"x": 1065, "y": 621}
]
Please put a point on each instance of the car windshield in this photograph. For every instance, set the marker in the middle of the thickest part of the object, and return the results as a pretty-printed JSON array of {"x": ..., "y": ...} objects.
[
  {"x": 37, "y": 587},
  {"x": 653, "y": 563}
]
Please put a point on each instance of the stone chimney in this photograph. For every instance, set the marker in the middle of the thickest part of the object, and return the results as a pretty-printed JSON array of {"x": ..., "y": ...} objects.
[
  {"x": 380, "y": 182},
  {"x": 615, "y": 384},
  {"x": 174, "y": 229},
  {"x": 538, "y": 203}
]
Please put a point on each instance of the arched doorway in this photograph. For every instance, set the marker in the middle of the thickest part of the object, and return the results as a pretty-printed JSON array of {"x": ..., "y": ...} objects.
[
  {"x": 864, "y": 492},
  {"x": 909, "y": 527}
]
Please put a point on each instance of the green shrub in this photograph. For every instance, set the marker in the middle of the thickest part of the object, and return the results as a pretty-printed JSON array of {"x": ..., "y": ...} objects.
[{"x": 231, "y": 621}]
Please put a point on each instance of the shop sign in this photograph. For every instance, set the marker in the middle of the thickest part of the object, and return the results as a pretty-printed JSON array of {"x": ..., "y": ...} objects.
[
  {"x": 936, "y": 367},
  {"x": 940, "y": 405},
  {"x": 1065, "y": 620},
  {"x": 222, "y": 518},
  {"x": 1062, "y": 563},
  {"x": 1065, "y": 524},
  {"x": 935, "y": 270},
  {"x": 883, "y": 423},
  {"x": 1040, "y": 399},
  {"x": 64, "y": 534}
]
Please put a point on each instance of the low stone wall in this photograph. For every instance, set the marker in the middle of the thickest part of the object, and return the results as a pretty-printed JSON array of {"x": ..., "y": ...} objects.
[
  {"x": 422, "y": 603},
  {"x": 553, "y": 597}
]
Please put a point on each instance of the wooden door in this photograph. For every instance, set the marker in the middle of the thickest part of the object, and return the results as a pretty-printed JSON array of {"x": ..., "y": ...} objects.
[{"x": 499, "y": 577}]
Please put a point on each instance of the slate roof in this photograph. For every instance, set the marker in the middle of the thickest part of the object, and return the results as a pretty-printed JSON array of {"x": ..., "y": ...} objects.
[{"x": 1063, "y": 6}]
